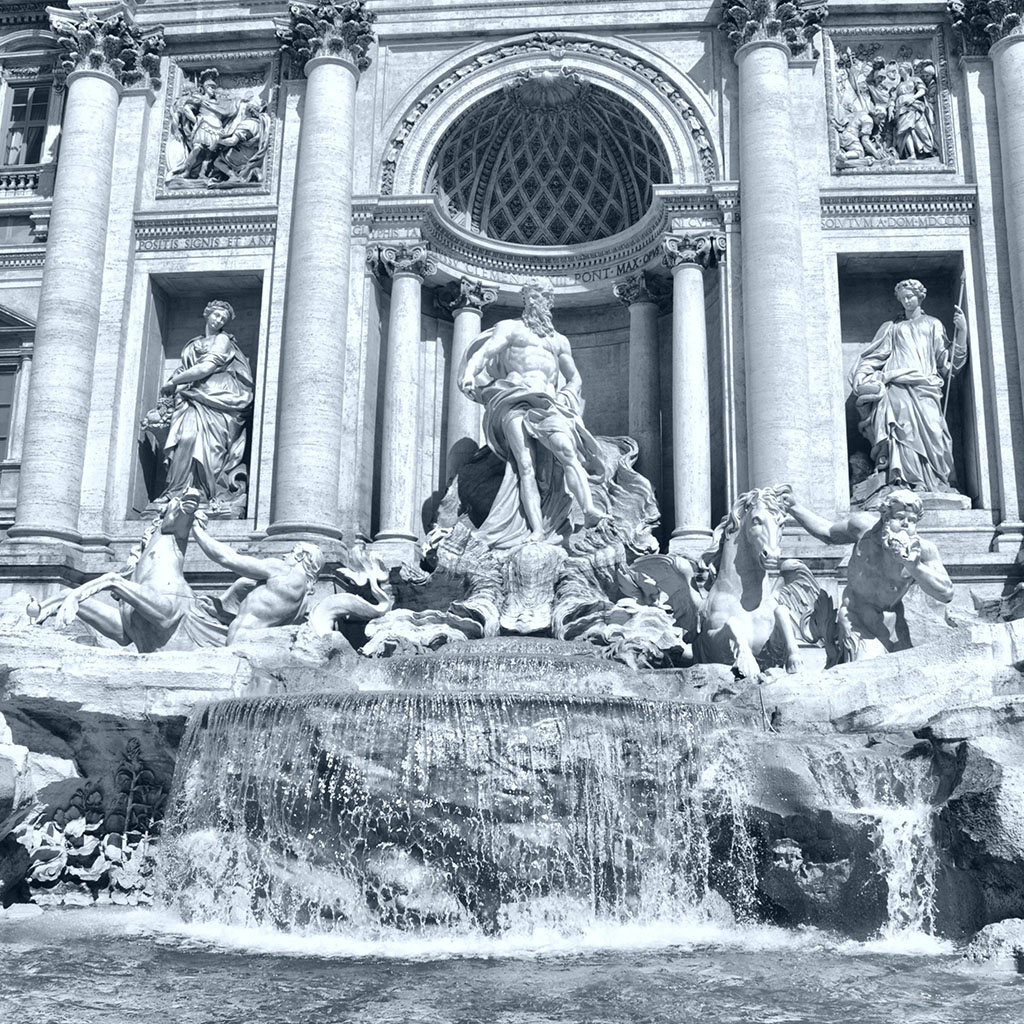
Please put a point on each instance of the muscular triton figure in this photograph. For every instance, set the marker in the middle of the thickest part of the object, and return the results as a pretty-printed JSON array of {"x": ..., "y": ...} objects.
[
  {"x": 272, "y": 591},
  {"x": 514, "y": 370},
  {"x": 888, "y": 558}
]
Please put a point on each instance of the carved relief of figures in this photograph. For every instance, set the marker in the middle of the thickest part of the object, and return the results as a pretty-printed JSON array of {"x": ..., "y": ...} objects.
[
  {"x": 218, "y": 136},
  {"x": 887, "y": 109},
  {"x": 198, "y": 427}
]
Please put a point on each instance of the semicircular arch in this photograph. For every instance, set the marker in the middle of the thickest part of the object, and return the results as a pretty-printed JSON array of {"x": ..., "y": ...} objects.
[{"x": 666, "y": 99}]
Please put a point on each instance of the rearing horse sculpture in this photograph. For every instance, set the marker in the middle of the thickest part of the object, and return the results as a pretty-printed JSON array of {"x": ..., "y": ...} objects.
[
  {"x": 149, "y": 604},
  {"x": 741, "y": 612}
]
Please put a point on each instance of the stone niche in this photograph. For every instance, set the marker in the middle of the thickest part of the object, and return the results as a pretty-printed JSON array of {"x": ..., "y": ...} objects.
[
  {"x": 174, "y": 316},
  {"x": 888, "y": 99},
  {"x": 866, "y": 301}
]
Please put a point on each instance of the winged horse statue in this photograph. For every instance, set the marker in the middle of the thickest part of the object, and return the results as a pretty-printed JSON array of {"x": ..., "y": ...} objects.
[{"x": 731, "y": 609}]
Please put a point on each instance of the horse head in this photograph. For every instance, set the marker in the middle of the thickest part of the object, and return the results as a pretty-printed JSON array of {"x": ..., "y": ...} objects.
[{"x": 754, "y": 523}]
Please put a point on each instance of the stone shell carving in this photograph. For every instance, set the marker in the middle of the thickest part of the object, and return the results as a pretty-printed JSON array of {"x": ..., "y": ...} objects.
[
  {"x": 556, "y": 45},
  {"x": 888, "y": 97},
  {"x": 112, "y": 45}
]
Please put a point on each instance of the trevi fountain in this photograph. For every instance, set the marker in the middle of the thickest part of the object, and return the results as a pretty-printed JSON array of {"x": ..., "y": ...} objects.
[{"x": 512, "y": 512}]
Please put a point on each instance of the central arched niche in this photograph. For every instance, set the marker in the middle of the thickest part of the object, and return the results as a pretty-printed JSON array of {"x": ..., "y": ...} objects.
[{"x": 549, "y": 160}]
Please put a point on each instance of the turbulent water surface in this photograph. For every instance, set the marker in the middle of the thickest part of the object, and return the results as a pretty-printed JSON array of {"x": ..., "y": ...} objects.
[{"x": 128, "y": 966}]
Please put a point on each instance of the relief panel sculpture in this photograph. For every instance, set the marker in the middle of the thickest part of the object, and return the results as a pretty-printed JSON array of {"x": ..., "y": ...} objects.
[
  {"x": 219, "y": 130},
  {"x": 888, "y": 106}
]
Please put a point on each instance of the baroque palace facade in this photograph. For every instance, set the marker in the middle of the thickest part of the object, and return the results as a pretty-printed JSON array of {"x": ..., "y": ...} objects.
[{"x": 724, "y": 196}]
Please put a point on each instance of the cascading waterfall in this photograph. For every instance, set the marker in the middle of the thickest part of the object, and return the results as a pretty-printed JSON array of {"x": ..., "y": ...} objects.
[
  {"x": 366, "y": 813},
  {"x": 896, "y": 793}
]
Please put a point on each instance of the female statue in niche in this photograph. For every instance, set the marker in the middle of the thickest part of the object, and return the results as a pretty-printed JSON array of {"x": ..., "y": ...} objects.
[
  {"x": 912, "y": 131},
  {"x": 203, "y": 409},
  {"x": 898, "y": 386}
]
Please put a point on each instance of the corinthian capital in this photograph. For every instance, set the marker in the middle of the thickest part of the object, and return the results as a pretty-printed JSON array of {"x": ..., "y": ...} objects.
[
  {"x": 980, "y": 23},
  {"x": 328, "y": 30},
  {"x": 404, "y": 258},
  {"x": 467, "y": 294},
  {"x": 638, "y": 288},
  {"x": 698, "y": 250},
  {"x": 106, "y": 41},
  {"x": 791, "y": 22}
]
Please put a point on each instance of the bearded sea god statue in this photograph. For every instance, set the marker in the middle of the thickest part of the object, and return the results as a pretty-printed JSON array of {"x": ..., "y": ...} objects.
[
  {"x": 888, "y": 558},
  {"x": 523, "y": 373},
  {"x": 898, "y": 385}
]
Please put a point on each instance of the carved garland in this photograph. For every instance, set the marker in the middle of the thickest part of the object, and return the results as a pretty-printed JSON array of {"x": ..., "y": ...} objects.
[{"x": 551, "y": 43}]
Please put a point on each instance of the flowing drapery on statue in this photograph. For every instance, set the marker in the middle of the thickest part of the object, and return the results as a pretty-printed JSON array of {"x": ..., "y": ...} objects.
[
  {"x": 898, "y": 385},
  {"x": 535, "y": 425},
  {"x": 204, "y": 407}
]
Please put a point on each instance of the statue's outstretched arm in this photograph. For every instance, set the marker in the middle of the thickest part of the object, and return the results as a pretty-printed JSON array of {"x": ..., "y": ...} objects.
[{"x": 226, "y": 556}]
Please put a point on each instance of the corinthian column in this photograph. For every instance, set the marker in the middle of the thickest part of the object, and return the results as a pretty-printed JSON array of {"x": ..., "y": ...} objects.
[
  {"x": 766, "y": 33},
  {"x": 688, "y": 257},
  {"x": 466, "y": 300},
  {"x": 997, "y": 28},
  {"x": 328, "y": 42},
  {"x": 98, "y": 58},
  {"x": 644, "y": 375},
  {"x": 396, "y": 538}
]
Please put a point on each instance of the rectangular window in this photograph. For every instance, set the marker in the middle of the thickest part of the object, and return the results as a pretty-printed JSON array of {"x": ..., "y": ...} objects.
[
  {"x": 25, "y": 126},
  {"x": 7, "y": 377}
]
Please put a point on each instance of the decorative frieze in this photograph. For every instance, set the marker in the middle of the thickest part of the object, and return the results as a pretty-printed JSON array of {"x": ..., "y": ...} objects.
[
  {"x": 199, "y": 233},
  {"x": 328, "y": 30},
  {"x": 22, "y": 259},
  {"x": 556, "y": 46},
  {"x": 791, "y": 22},
  {"x": 980, "y": 23},
  {"x": 888, "y": 96},
  {"x": 113, "y": 46},
  {"x": 704, "y": 251},
  {"x": 902, "y": 210}
]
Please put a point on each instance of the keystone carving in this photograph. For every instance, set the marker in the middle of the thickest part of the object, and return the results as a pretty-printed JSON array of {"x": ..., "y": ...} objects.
[
  {"x": 793, "y": 23},
  {"x": 328, "y": 30},
  {"x": 112, "y": 45},
  {"x": 703, "y": 250},
  {"x": 980, "y": 23}
]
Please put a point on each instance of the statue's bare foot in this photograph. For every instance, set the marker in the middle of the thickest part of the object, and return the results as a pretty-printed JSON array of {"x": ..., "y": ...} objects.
[
  {"x": 537, "y": 537},
  {"x": 595, "y": 518},
  {"x": 794, "y": 663}
]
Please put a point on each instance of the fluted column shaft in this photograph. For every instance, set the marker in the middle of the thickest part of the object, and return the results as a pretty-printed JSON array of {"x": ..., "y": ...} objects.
[
  {"x": 777, "y": 387},
  {"x": 1008, "y": 66},
  {"x": 310, "y": 425},
  {"x": 644, "y": 376},
  {"x": 691, "y": 412},
  {"x": 53, "y": 454},
  {"x": 399, "y": 479},
  {"x": 465, "y": 417}
]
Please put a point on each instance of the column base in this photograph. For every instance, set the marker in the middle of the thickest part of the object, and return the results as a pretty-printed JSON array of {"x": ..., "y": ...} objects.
[
  {"x": 691, "y": 541},
  {"x": 394, "y": 548}
]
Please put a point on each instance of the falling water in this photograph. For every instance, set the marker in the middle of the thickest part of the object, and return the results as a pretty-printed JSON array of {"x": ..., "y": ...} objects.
[
  {"x": 896, "y": 793},
  {"x": 366, "y": 813}
]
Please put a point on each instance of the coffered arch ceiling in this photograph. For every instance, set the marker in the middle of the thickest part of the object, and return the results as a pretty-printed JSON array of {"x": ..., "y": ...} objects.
[{"x": 551, "y": 159}]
